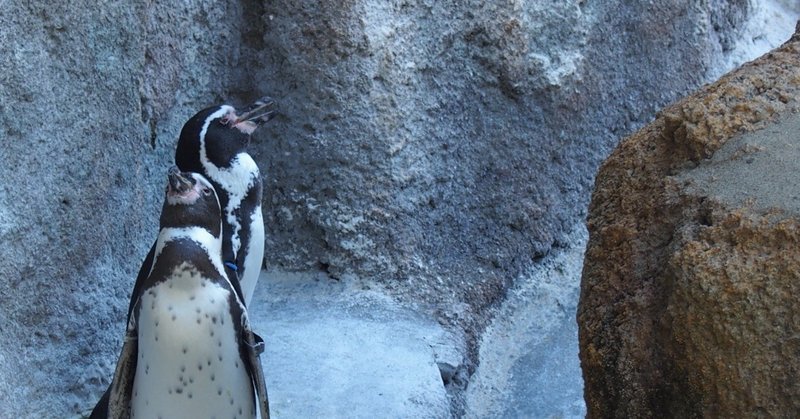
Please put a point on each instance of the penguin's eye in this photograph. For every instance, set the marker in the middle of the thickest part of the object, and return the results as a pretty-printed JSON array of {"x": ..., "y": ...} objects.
[
  {"x": 206, "y": 191},
  {"x": 225, "y": 120}
]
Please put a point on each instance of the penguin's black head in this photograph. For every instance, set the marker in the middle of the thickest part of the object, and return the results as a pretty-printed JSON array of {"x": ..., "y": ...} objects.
[
  {"x": 217, "y": 134},
  {"x": 190, "y": 201}
]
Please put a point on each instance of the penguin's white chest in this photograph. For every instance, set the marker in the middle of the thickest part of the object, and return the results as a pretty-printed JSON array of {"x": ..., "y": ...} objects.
[
  {"x": 254, "y": 255},
  {"x": 189, "y": 364}
]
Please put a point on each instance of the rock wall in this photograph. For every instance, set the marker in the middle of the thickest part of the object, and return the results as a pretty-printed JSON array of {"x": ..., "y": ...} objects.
[
  {"x": 459, "y": 139},
  {"x": 441, "y": 148},
  {"x": 691, "y": 274},
  {"x": 91, "y": 102}
]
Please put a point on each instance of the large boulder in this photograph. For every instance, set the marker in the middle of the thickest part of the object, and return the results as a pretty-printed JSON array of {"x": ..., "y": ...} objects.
[{"x": 688, "y": 303}]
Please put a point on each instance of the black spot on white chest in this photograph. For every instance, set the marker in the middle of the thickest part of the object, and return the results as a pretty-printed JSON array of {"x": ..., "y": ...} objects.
[{"x": 189, "y": 353}]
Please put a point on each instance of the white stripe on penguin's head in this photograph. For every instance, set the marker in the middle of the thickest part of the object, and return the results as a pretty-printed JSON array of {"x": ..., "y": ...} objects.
[
  {"x": 219, "y": 113},
  {"x": 201, "y": 180},
  {"x": 187, "y": 192}
]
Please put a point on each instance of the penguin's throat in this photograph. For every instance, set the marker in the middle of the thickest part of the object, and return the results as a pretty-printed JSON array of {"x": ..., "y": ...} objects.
[
  {"x": 210, "y": 243},
  {"x": 187, "y": 198},
  {"x": 246, "y": 127}
]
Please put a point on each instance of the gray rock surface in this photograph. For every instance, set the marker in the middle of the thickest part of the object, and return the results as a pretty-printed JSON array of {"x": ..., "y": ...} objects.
[
  {"x": 408, "y": 125},
  {"x": 528, "y": 356},
  {"x": 760, "y": 183},
  {"x": 440, "y": 149},
  {"x": 345, "y": 349}
]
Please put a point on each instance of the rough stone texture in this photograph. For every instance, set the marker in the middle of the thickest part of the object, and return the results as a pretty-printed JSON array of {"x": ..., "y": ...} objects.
[
  {"x": 688, "y": 302},
  {"x": 91, "y": 101},
  {"x": 439, "y": 147},
  {"x": 528, "y": 354},
  {"x": 344, "y": 350},
  {"x": 408, "y": 125}
]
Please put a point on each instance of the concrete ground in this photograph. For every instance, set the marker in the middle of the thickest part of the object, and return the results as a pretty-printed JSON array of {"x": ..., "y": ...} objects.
[
  {"x": 345, "y": 349},
  {"x": 529, "y": 366},
  {"x": 338, "y": 349}
]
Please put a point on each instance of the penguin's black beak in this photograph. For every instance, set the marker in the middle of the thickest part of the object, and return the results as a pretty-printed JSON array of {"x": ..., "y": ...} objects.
[
  {"x": 259, "y": 112},
  {"x": 178, "y": 183}
]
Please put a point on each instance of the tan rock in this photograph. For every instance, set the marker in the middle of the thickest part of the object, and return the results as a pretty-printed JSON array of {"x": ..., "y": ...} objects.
[{"x": 689, "y": 302}]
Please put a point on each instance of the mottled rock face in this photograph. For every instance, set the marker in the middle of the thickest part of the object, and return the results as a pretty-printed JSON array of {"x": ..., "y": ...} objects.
[
  {"x": 439, "y": 147},
  {"x": 459, "y": 140},
  {"x": 689, "y": 289},
  {"x": 91, "y": 102}
]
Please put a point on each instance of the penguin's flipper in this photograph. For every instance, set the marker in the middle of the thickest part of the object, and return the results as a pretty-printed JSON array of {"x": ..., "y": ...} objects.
[
  {"x": 119, "y": 400},
  {"x": 232, "y": 271},
  {"x": 144, "y": 272},
  {"x": 100, "y": 410},
  {"x": 254, "y": 346}
]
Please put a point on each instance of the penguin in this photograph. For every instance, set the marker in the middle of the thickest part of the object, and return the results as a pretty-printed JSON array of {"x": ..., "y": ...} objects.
[
  {"x": 189, "y": 351},
  {"x": 214, "y": 143}
]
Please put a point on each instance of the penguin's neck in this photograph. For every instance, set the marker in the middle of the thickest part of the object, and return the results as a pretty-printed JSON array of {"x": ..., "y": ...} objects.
[
  {"x": 236, "y": 178},
  {"x": 211, "y": 244}
]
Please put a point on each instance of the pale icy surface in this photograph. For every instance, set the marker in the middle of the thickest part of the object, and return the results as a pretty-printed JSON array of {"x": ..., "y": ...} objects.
[
  {"x": 771, "y": 24},
  {"x": 337, "y": 349},
  {"x": 529, "y": 365},
  {"x": 341, "y": 349}
]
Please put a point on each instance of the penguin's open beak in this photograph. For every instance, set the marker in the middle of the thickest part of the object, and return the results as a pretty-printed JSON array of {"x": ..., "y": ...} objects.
[
  {"x": 178, "y": 183},
  {"x": 256, "y": 114},
  {"x": 259, "y": 112}
]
